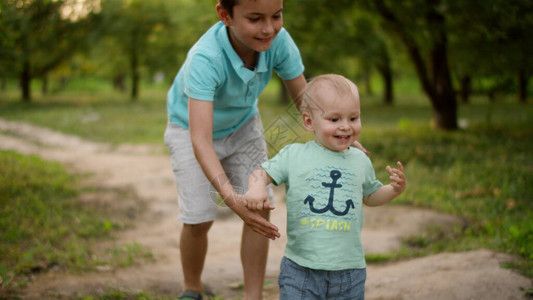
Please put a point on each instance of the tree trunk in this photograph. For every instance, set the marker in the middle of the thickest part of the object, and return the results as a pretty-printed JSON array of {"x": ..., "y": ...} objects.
[
  {"x": 523, "y": 80},
  {"x": 25, "y": 81},
  {"x": 445, "y": 114},
  {"x": 44, "y": 88},
  {"x": 466, "y": 88},
  {"x": 388, "y": 94},
  {"x": 444, "y": 99},
  {"x": 368, "y": 81},
  {"x": 439, "y": 86},
  {"x": 134, "y": 64},
  {"x": 119, "y": 82}
]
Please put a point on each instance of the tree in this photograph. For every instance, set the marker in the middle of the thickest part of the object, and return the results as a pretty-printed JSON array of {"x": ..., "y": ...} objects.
[
  {"x": 492, "y": 43},
  {"x": 341, "y": 38},
  {"x": 421, "y": 27},
  {"x": 136, "y": 26},
  {"x": 370, "y": 45},
  {"x": 37, "y": 37}
]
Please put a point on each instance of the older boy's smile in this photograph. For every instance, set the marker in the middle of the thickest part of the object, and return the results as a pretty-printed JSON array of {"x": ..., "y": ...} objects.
[{"x": 264, "y": 40}]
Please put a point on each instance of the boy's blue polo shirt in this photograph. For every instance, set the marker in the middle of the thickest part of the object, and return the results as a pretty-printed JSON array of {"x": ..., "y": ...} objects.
[{"x": 214, "y": 72}]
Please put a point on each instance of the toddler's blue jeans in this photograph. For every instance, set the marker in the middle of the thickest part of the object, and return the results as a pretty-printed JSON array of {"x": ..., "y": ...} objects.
[{"x": 297, "y": 282}]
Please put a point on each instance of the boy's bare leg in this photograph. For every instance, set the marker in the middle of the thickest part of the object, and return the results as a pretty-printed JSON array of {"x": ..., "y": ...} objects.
[
  {"x": 193, "y": 248},
  {"x": 254, "y": 252}
]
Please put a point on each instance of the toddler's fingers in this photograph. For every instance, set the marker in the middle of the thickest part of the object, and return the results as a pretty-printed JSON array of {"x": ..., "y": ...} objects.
[
  {"x": 389, "y": 169},
  {"x": 267, "y": 205},
  {"x": 400, "y": 165}
]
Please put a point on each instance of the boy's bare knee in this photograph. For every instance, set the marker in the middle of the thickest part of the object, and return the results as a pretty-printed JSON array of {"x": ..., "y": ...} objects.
[{"x": 197, "y": 230}]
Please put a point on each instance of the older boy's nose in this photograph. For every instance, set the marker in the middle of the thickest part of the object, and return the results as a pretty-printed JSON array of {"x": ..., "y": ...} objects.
[{"x": 268, "y": 28}]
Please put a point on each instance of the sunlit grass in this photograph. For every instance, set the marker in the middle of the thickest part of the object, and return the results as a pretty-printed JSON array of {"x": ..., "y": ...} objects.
[{"x": 102, "y": 116}]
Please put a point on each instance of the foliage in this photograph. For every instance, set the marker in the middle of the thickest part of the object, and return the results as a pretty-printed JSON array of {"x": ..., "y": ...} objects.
[
  {"x": 147, "y": 38},
  {"x": 494, "y": 41},
  {"x": 363, "y": 46},
  {"x": 134, "y": 26},
  {"x": 36, "y": 38},
  {"x": 142, "y": 39}
]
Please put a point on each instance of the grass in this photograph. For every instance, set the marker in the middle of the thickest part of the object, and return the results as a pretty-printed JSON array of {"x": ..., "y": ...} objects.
[
  {"x": 481, "y": 173},
  {"x": 105, "y": 116},
  {"x": 42, "y": 226}
]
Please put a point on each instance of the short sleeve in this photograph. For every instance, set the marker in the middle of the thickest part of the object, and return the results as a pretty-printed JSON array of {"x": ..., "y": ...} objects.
[
  {"x": 371, "y": 184},
  {"x": 277, "y": 167},
  {"x": 201, "y": 77},
  {"x": 288, "y": 61}
]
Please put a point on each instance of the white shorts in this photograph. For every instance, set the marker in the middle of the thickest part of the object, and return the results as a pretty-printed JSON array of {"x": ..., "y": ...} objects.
[{"x": 240, "y": 153}]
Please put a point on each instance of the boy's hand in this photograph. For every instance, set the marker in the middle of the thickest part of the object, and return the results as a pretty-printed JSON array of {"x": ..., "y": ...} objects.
[
  {"x": 397, "y": 177},
  {"x": 256, "y": 221},
  {"x": 358, "y": 145}
]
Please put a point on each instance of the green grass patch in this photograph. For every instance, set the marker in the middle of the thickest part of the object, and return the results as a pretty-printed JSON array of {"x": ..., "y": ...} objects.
[
  {"x": 41, "y": 224},
  {"x": 128, "y": 255},
  {"x": 101, "y": 116},
  {"x": 44, "y": 226},
  {"x": 481, "y": 174}
]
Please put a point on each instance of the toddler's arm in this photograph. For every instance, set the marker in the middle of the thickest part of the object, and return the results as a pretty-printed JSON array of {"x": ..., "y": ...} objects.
[
  {"x": 256, "y": 198},
  {"x": 390, "y": 191}
]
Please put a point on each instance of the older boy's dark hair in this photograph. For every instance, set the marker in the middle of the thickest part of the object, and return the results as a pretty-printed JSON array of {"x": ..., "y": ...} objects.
[{"x": 228, "y": 5}]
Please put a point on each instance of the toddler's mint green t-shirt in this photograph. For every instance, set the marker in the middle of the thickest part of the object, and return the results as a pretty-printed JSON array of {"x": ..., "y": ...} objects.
[
  {"x": 214, "y": 72},
  {"x": 325, "y": 190}
]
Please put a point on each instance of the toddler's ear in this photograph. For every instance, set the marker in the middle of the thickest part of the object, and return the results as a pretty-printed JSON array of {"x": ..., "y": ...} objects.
[{"x": 307, "y": 120}]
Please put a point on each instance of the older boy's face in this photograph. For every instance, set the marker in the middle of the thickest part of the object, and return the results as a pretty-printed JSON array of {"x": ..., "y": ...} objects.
[
  {"x": 255, "y": 24},
  {"x": 337, "y": 124}
]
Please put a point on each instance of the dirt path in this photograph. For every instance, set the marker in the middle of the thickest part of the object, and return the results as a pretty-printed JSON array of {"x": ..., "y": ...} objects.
[{"x": 469, "y": 275}]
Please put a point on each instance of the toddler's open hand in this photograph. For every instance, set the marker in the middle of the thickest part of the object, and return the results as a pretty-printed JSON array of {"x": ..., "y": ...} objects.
[{"x": 397, "y": 177}]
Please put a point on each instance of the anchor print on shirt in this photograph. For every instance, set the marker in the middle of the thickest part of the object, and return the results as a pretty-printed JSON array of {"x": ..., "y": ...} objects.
[{"x": 335, "y": 175}]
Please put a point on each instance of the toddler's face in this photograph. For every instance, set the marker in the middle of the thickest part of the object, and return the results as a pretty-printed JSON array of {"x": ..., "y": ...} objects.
[
  {"x": 337, "y": 120},
  {"x": 255, "y": 24}
]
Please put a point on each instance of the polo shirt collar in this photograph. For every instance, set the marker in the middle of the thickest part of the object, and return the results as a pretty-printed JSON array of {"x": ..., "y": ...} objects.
[{"x": 236, "y": 62}]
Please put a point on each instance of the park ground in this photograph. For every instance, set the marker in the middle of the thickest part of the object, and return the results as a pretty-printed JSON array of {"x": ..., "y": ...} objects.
[{"x": 145, "y": 173}]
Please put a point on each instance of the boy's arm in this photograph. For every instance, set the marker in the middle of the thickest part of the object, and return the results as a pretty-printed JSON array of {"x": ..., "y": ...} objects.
[
  {"x": 295, "y": 87},
  {"x": 390, "y": 191},
  {"x": 201, "y": 130},
  {"x": 256, "y": 198}
]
